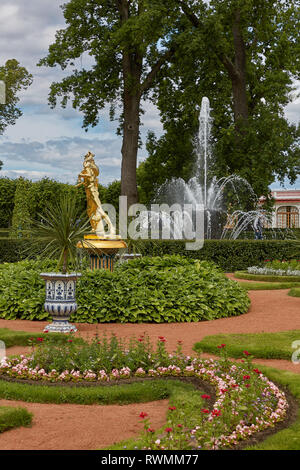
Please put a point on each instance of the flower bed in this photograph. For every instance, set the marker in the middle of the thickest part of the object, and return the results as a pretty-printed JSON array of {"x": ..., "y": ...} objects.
[
  {"x": 246, "y": 400},
  {"x": 277, "y": 268}
]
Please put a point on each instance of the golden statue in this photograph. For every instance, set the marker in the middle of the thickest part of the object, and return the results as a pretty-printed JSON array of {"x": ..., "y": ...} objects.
[{"x": 89, "y": 178}]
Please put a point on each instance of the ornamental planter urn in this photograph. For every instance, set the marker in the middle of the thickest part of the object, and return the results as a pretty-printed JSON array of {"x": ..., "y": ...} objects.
[{"x": 60, "y": 300}]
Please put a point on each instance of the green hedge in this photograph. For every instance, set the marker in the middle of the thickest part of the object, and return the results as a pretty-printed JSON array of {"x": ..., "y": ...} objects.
[
  {"x": 229, "y": 255},
  {"x": 12, "y": 250},
  {"x": 150, "y": 289},
  {"x": 274, "y": 234}
]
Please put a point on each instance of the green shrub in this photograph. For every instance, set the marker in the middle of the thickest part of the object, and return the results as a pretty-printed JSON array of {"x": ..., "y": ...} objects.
[
  {"x": 168, "y": 289},
  {"x": 11, "y": 250},
  {"x": 229, "y": 255}
]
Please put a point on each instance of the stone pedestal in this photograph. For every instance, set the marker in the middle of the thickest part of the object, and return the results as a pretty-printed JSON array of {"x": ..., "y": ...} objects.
[{"x": 102, "y": 251}]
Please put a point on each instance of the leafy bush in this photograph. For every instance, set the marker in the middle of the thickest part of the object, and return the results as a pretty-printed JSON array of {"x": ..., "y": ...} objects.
[
  {"x": 22, "y": 291},
  {"x": 168, "y": 289}
]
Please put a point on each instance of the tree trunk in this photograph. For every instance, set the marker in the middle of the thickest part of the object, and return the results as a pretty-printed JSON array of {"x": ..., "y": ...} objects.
[
  {"x": 239, "y": 80},
  {"x": 132, "y": 71},
  {"x": 130, "y": 147}
]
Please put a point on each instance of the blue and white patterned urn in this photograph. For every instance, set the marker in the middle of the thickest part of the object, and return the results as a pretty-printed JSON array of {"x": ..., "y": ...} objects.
[{"x": 60, "y": 300}]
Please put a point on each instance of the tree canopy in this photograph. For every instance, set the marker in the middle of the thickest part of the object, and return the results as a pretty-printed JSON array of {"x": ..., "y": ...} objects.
[
  {"x": 16, "y": 79},
  {"x": 128, "y": 43},
  {"x": 244, "y": 56}
]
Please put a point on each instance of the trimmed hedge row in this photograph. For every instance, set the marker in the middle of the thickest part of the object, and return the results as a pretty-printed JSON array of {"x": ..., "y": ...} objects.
[{"x": 229, "y": 255}]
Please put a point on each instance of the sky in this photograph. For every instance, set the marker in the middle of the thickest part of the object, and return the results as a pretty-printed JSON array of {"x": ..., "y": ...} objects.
[{"x": 51, "y": 142}]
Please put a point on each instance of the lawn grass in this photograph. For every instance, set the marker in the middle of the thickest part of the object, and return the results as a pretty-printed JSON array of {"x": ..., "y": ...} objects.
[
  {"x": 22, "y": 338},
  {"x": 268, "y": 285},
  {"x": 294, "y": 292},
  {"x": 138, "y": 392},
  {"x": 11, "y": 417},
  {"x": 261, "y": 345},
  {"x": 265, "y": 277}
]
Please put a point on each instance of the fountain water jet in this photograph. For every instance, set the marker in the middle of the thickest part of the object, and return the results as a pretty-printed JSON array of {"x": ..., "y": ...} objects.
[{"x": 208, "y": 192}]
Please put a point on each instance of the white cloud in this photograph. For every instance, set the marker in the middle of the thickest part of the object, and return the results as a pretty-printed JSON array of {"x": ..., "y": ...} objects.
[{"x": 61, "y": 158}]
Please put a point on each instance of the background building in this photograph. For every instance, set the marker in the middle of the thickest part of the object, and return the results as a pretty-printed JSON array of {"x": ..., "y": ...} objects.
[{"x": 287, "y": 209}]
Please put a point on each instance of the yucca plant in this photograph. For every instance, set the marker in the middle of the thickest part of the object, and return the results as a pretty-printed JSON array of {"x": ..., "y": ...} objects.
[
  {"x": 56, "y": 235},
  {"x": 58, "y": 231}
]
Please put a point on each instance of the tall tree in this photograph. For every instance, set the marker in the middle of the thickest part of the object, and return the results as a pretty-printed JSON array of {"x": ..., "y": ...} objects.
[
  {"x": 130, "y": 43},
  {"x": 16, "y": 79}
]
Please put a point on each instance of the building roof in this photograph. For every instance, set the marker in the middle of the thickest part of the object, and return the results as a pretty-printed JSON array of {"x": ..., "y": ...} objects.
[{"x": 289, "y": 195}]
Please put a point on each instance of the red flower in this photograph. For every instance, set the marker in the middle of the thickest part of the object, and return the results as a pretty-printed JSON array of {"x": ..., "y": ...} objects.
[
  {"x": 40, "y": 339},
  {"x": 168, "y": 429},
  {"x": 46, "y": 331},
  {"x": 150, "y": 430},
  {"x": 224, "y": 390},
  {"x": 140, "y": 340},
  {"x": 204, "y": 410},
  {"x": 172, "y": 408},
  {"x": 234, "y": 385},
  {"x": 207, "y": 397},
  {"x": 179, "y": 342},
  {"x": 216, "y": 413},
  {"x": 247, "y": 385},
  {"x": 246, "y": 353},
  {"x": 179, "y": 425},
  {"x": 257, "y": 371},
  {"x": 162, "y": 339},
  {"x": 70, "y": 341},
  {"x": 222, "y": 346},
  {"x": 143, "y": 415},
  {"x": 246, "y": 377}
]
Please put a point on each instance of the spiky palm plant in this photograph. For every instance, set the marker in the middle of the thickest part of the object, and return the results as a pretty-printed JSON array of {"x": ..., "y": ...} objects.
[{"x": 59, "y": 230}]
